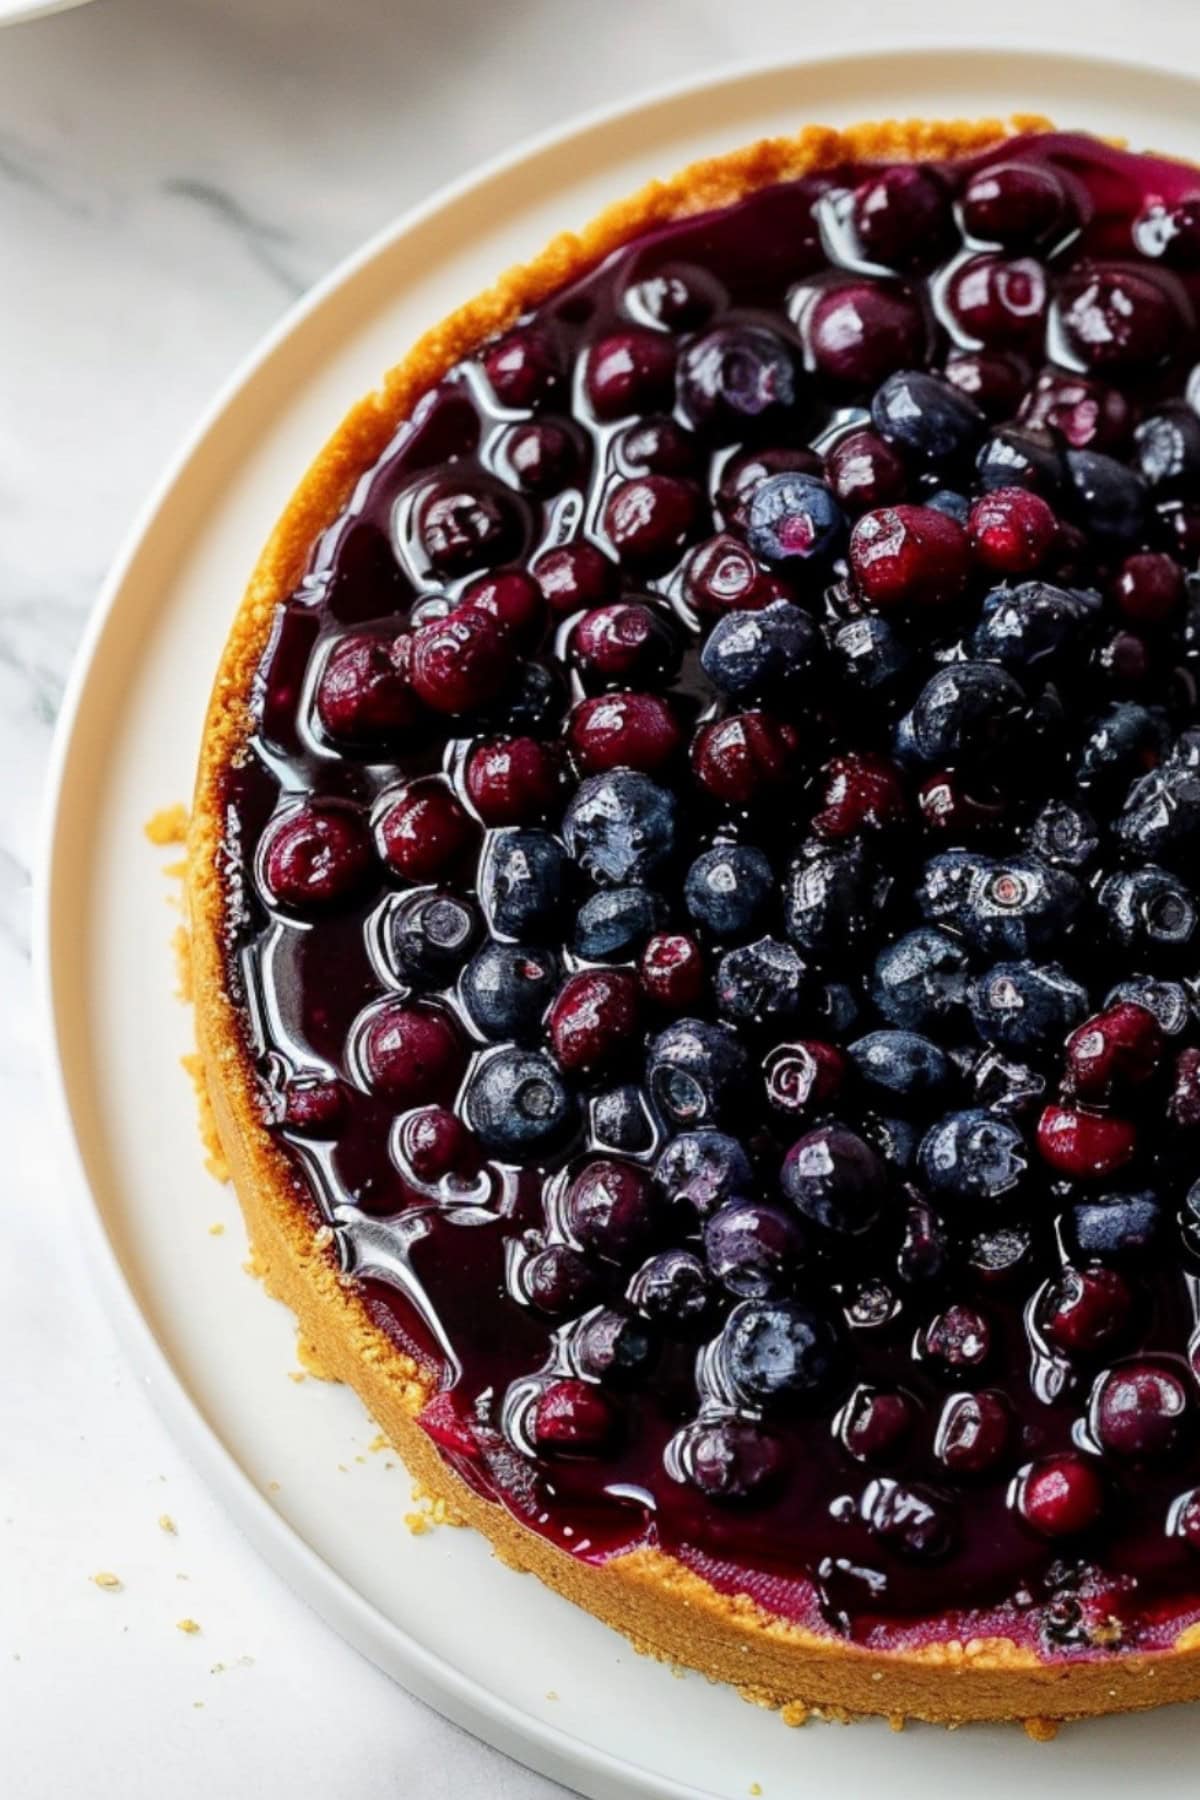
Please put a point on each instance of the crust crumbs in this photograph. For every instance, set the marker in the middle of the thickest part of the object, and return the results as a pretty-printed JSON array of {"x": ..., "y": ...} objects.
[
  {"x": 112, "y": 1584},
  {"x": 662, "y": 1607},
  {"x": 166, "y": 1523},
  {"x": 188, "y": 1626},
  {"x": 168, "y": 826}
]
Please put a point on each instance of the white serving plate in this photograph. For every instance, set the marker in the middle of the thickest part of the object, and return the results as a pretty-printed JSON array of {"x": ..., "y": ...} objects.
[
  {"x": 16, "y": 12},
  {"x": 492, "y": 1650}
]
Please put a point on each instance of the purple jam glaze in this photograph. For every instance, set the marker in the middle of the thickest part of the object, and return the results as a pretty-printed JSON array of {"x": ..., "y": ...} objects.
[{"x": 827, "y": 1504}]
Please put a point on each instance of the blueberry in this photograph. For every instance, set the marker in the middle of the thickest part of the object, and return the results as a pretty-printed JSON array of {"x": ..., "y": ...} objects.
[
  {"x": 1012, "y": 457},
  {"x": 1167, "y": 452},
  {"x": 1168, "y": 1001},
  {"x": 1110, "y": 501},
  {"x": 620, "y": 827},
  {"x": 969, "y": 713},
  {"x": 760, "y": 982},
  {"x": 609, "y": 1346},
  {"x": 920, "y": 980},
  {"x": 772, "y": 654},
  {"x": 522, "y": 878},
  {"x": 946, "y": 884},
  {"x": 1026, "y": 1007},
  {"x": 1032, "y": 624},
  {"x": 619, "y": 1119},
  {"x": 1161, "y": 817},
  {"x": 973, "y": 1155},
  {"x": 702, "y": 1169},
  {"x": 1116, "y": 1226},
  {"x": 1121, "y": 742},
  {"x": 735, "y": 379},
  {"x": 429, "y": 935},
  {"x": 795, "y": 522},
  {"x": 1064, "y": 835},
  {"x": 616, "y": 923},
  {"x": 902, "y": 1064},
  {"x": 870, "y": 653},
  {"x": 1020, "y": 907},
  {"x": 833, "y": 896},
  {"x": 1148, "y": 911},
  {"x": 753, "y": 1249},
  {"x": 672, "y": 1290},
  {"x": 517, "y": 1104},
  {"x": 697, "y": 1073},
  {"x": 954, "y": 506},
  {"x": 506, "y": 989},
  {"x": 778, "y": 1350},
  {"x": 835, "y": 1180},
  {"x": 728, "y": 889},
  {"x": 930, "y": 422}
]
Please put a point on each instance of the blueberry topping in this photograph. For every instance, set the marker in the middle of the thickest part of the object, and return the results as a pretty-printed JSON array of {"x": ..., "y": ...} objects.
[{"x": 711, "y": 891}]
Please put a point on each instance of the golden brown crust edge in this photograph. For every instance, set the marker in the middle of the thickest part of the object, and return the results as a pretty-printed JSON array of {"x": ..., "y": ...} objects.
[{"x": 661, "y": 1606}]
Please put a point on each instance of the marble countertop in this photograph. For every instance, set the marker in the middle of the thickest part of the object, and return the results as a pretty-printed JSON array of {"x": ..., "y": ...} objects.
[{"x": 173, "y": 173}]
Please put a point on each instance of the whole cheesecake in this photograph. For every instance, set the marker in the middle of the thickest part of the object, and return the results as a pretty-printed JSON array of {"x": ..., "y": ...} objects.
[{"x": 694, "y": 885}]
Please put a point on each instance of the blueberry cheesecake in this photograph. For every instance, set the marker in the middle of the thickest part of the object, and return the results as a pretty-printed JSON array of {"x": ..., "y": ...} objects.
[{"x": 695, "y": 893}]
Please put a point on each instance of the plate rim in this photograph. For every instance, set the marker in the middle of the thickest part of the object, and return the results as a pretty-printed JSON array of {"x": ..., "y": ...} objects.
[{"x": 542, "y": 1746}]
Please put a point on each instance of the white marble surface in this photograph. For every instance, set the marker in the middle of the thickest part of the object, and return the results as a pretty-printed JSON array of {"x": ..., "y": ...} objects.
[{"x": 172, "y": 174}]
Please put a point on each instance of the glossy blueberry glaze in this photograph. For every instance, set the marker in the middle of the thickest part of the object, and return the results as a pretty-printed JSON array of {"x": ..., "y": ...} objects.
[{"x": 596, "y": 1375}]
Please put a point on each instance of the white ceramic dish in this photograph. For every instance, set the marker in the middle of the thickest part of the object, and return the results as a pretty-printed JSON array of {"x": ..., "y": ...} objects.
[{"x": 492, "y": 1650}]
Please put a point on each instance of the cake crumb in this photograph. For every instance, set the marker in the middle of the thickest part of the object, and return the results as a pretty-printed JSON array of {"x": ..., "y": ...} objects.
[
  {"x": 551, "y": 1694},
  {"x": 187, "y": 1626},
  {"x": 378, "y": 1442},
  {"x": 896, "y": 1721},
  {"x": 197, "y": 1704},
  {"x": 217, "y": 1228},
  {"x": 1042, "y": 1731},
  {"x": 297, "y": 1375},
  {"x": 795, "y": 1713},
  {"x": 755, "y": 1788},
  {"x": 112, "y": 1584},
  {"x": 418, "y": 1523},
  {"x": 168, "y": 825},
  {"x": 166, "y": 1523}
]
